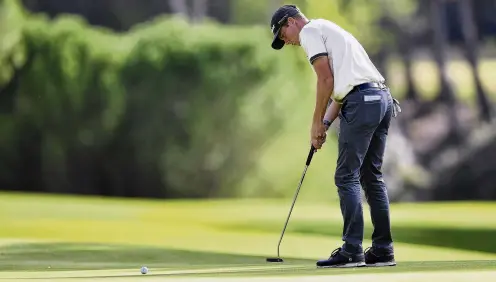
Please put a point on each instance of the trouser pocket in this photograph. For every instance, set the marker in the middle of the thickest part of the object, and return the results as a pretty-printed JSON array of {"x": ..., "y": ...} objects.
[
  {"x": 349, "y": 111},
  {"x": 370, "y": 113}
]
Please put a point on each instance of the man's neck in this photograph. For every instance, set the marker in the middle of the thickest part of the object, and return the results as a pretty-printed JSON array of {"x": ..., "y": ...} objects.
[{"x": 302, "y": 23}]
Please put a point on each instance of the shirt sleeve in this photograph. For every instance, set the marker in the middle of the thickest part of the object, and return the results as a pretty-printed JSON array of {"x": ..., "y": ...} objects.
[{"x": 313, "y": 43}]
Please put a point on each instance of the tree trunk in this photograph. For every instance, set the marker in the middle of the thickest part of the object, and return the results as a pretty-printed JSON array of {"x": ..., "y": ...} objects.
[
  {"x": 469, "y": 31},
  {"x": 179, "y": 7},
  {"x": 380, "y": 60},
  {"x": 406, "y": 45},
  {"x": 199, "y": 11},
  {"x": 446, "y": 97},
  {"x": 438, "y": 21}
]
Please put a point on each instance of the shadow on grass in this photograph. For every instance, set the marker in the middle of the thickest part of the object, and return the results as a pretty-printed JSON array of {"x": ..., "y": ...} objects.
[
  {"x": 481, "y": 240},
  {"x": 474, "y": 239},
  {"x": 61, "y": 256}
]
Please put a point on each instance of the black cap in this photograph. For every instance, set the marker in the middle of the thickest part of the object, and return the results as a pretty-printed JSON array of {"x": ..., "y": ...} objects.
[{"x": 278, "y": 20}]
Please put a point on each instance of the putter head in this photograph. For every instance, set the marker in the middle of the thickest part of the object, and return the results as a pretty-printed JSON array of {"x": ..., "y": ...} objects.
[{"x": 275, "y": 260}]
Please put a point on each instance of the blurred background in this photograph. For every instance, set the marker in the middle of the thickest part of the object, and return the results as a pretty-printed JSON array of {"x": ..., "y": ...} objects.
[{"x": 186, "y": 99}]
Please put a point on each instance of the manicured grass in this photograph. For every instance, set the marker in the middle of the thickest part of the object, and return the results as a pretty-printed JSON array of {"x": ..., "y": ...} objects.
[{"x": 62, "y": 236}]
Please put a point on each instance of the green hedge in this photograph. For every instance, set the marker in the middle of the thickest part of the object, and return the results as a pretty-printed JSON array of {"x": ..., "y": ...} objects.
[{"x": 168, "y": 109}]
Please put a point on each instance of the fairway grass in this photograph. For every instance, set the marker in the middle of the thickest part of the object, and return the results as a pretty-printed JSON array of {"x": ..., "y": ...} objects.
[{"x": 45, "y": 237}]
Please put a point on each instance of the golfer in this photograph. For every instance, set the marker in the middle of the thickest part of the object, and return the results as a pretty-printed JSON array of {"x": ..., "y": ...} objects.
[{"x": 349, "y": 81}]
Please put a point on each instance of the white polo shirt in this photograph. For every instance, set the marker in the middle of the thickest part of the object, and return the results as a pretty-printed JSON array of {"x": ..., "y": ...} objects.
[{"x": 349, "y": 61}]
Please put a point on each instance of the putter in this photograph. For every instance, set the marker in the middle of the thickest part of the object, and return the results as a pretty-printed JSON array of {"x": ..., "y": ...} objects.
[{"x": 309, "y": 160}]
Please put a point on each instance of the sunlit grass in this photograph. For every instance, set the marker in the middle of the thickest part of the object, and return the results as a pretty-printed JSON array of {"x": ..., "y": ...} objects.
[
  {"x": 53, "y": 236},
  {"x": 212, "y": 225}
]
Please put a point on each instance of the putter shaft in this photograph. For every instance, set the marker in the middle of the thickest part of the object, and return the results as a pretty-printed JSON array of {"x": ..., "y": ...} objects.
[
  {"x": 307, "y": 164},
  {"x": 291, "y": 209}
]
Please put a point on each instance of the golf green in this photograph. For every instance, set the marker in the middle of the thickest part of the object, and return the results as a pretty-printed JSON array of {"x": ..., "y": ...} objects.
[{"x": 62, "y": 238}]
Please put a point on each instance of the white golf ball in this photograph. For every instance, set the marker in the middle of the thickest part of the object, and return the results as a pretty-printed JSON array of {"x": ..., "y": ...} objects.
[{"x": 144, "y": 270}]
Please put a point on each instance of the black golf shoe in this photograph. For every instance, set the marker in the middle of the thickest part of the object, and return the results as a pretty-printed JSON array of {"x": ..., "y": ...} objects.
[
  {"x": 377, "y": 257},
  {"x": 342, "y": 260}
]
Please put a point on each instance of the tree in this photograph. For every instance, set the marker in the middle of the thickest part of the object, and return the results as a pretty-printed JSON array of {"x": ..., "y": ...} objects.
[
  {"x": 399, "y": 18},
  {"x": 439, "y": 44},
  {"x": 469, "y": 31},
  {"x": 179, "y": 7},
  {"x": 195, "y": 10}
]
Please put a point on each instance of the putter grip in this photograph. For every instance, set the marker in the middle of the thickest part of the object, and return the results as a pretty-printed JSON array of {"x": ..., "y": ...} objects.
[
  {"x": 310, "y": 155},
  {"x": 312, "y": 148}
]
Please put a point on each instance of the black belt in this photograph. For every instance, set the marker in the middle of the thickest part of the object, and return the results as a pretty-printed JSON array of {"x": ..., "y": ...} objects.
[{"x": 368, "y": 85}]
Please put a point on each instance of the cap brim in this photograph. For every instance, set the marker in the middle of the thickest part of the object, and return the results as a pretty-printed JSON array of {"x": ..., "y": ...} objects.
[{"x": 277, "y": 43}]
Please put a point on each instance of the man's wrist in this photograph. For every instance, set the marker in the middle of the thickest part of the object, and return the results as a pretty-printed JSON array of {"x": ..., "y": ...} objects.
[
  {"x": 327, "y": 123},
  {"x": 318, "y": 118}
]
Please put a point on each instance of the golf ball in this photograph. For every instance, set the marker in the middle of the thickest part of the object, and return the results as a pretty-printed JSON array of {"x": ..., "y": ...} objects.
[{"x": 144, "y": 270}]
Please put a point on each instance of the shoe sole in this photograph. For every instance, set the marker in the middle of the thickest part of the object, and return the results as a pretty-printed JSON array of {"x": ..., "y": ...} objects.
[
  {"x": 347, "y": 265},
  {"x": 381, "y": 264}
]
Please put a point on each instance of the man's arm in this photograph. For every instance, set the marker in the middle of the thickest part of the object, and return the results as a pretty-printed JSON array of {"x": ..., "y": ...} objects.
[
  {"x": 332, "y": 113},
  {"x": 325, "y": 87},
  {"x": 312, "y": 41}
]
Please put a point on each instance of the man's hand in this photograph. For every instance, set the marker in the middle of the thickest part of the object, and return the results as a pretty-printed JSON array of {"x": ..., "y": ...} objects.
[{"x": 318, "y": 135}]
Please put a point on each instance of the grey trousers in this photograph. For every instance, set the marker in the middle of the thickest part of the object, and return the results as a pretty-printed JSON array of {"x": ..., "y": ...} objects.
[{"x": 364, "y": 123}]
